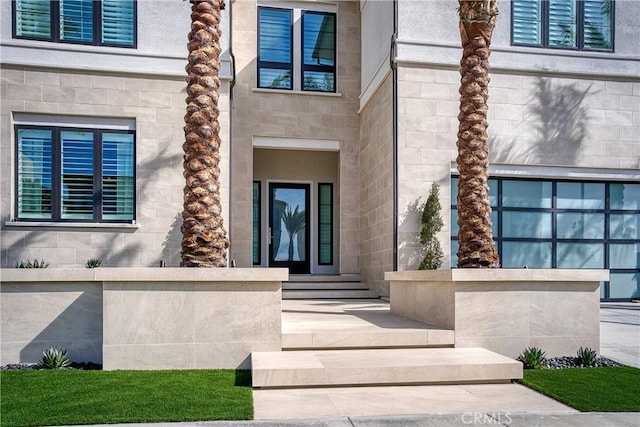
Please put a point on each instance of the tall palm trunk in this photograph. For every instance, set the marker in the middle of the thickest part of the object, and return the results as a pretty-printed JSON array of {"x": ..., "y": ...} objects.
[
  {"x": 477, "y": 249},
  {"x": 204, "y": 239}
]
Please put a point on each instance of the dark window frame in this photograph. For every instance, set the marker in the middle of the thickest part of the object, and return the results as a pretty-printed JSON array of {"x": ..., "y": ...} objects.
[
  {"x": 544, "y": 36},
  {"x": 331, "y": 224},
  {"x": 275, "y": 65},
  {"x": 97, "y": 26},
  {"x": 319, "y": 67},
  {"x": 56, "y": 175},
  {"x": 607, "y": 211}
]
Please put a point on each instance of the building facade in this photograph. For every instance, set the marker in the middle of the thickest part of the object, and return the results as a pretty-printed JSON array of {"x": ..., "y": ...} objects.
[{"x": 337, "y": 116}]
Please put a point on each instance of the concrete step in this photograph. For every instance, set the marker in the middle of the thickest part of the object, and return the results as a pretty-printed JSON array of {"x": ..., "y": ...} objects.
[
  {"x": 394, "y": 338},
  {"x": 315, "y": 286},
  {"x": 324, "y": 278},
  {"x": 329, "y": 294},
  {"x": 338, "y": 368}
]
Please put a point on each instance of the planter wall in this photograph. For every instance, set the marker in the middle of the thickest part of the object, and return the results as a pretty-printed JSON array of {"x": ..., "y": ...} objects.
[
  {"x": 505, "y": 310},
  {"x": 142, "y": 318}
]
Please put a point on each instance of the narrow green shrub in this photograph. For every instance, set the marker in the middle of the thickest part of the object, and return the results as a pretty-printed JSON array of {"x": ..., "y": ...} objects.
[
  {"x": 431, "y": 225},
  {"x": 586, "y": 357},
  {"x": 94, "y": 262},
  {"x": 533, "y": 358},
  {"x": 54, "y": 358},
  {"x": 32, "y": 264}
]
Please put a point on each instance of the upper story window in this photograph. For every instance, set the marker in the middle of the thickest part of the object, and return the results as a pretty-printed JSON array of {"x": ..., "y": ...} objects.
[
  {"x": 296, "y": 49},
  {"x": 74, "y": 174},
  {"x": 93, "y": 22},
  {"x": 565, "y": 24}
]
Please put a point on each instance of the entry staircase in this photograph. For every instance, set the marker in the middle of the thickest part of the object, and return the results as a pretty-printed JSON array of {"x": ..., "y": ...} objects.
[
  {"x": 326, "y": 287},
  {"x": 333, "y": 343}
]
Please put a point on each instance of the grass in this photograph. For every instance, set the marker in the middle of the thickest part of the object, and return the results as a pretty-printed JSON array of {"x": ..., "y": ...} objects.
[
  {"x": 35, "y": 398},
  {"x": 604, "y": 389}
]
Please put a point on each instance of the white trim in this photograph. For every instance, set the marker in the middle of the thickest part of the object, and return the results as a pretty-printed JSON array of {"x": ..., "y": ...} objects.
[
  {"x": 297, "y": 92},
  {"x": 313, "y": 5},
  {"x": 296, "y": 143},
  {"x": 560, "y": 172},
  {"x": 74, "y": 121},
  {"x": 86, "y": 225},
  {"x": 374, "y": 84}
]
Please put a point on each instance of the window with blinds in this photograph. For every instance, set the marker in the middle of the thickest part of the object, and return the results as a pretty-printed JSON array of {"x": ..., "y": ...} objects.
[
  {"x": 325, "y": 224},
  {"x": 565, "y": 24},
  {"x": 79, "y": 175},
  {"x": 104, "y": 23}
]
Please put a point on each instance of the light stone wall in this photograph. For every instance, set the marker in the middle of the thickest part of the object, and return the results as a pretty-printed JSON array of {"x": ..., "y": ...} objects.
[
  {"x": 157, "y": 104},
  {"x": 506, "y": 310},
  {"x": 376, "y": 188},
  {"x": 274, "y": 113},
  {"x": 534, "y": 119},
  {"x": 142, "y": 318}
]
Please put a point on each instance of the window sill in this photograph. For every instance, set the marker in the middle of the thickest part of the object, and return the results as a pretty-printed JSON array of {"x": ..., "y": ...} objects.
[
  {"x": 297, "y": 92},
  {"x": 76, "y": 225}
]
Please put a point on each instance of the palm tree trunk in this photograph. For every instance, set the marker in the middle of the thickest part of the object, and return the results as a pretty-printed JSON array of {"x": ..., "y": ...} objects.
[
  {"x": 477, "y": 249},
  {"x": 204, "y": 238}
]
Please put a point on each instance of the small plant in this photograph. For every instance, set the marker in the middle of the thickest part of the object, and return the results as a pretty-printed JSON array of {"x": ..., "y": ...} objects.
[
  {"x": 431, "y": 225},
  {"x": 94, "y": 262},
  {"x": 54, "y": 358},
  {"x": 32, "y": 264},
  {"x": 586, "y": 357},
  {"x": 533, "y": 358}
]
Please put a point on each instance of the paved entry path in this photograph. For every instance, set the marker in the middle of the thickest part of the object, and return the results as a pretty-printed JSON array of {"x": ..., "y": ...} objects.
[{"x": 620, "y": 332}]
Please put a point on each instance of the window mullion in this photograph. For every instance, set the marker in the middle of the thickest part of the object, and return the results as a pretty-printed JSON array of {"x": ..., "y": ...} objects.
[{"x": 297, "y": 49}]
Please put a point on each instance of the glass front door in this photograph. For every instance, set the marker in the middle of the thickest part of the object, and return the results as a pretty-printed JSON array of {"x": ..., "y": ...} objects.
[{"x": 289, "y": 227}]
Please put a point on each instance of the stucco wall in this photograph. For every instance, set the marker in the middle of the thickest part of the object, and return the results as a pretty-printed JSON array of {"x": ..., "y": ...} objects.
[
  {"x": 376, "y": 20},
  {"x": 534, "y": 119},
  {"x": 157, "y": 107},
  {"x": 289, "y": 114},
  {"x": 376, "y": 191}
]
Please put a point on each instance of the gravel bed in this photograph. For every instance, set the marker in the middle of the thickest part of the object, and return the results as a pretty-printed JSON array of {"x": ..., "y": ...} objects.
[
  {"x": 570, "y": 362},
  {"x": 82, "y": 366}
]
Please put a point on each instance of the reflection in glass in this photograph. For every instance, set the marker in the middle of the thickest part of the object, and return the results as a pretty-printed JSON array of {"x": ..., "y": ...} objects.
[
  {"x": 526, "y": 224},
  {"x": 624, "y": 255},
  {"x": 526, "y": 194},
  {"x": 34, "y": 173},
  {"x": 289, "y": 225},
  {"x": 624, "y": 226},
  {"x": 275, "y": 50},
  {"x": 624, "y": 285},
  {"x": 580, "y": 226},
  {"x": 577, "y": 195},
  {"x": 319, "y": 56},
  {"x": 580, "y": 255},
  {"x": 531, "y": 254},
  {"x": 624, "y": 196}
]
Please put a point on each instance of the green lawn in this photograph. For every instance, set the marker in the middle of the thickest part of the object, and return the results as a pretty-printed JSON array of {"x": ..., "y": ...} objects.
[
  {"x": 33, "y": 398},
  {"x": 605, "y": 389}
]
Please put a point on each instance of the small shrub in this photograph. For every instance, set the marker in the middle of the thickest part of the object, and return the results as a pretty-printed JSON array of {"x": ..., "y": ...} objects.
[
  {"x": 54, "y": 358},
  {"x": 94, "y": 262},
  {"x": 431, "y": 224},
  {"x": 533, "y": 358},
  {"x": 32, "y": 264},
  {"x": 586, "y": 357}
]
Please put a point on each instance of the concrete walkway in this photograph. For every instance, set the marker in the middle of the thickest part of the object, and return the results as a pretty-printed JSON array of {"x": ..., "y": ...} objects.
[{"x": 620, "y": 332}]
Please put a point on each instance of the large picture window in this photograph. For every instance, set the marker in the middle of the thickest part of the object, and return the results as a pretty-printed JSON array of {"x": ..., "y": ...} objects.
[
  {"x": 568, "y": 24},
  {"x": 566, "y": 224},
  {"x": 77, "y": 175},
  {"x": 104, "y": 22},
  {"x": 296, "y": 57}
]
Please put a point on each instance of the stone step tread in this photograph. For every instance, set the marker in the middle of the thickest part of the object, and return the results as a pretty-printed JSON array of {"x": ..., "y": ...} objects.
[
  {"x": 317, "y": 286},
  {"x": 328, "y": 294},
  {"x": 381, "y": 366},
  {"x": 324, "y": 278},
  {"x": 360, "y": 338}
]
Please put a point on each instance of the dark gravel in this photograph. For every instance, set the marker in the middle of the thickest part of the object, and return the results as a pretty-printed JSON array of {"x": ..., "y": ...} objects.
[
  {"x": 570, "y": 362},
  {"x": 81, "y": 366}
]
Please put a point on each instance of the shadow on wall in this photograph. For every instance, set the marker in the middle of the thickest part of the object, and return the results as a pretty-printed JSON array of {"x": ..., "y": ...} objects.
[
  {"x": 77, "y": 328},
  {"x": 172, "y": 244},
  {"x": 109, "y": 246},
  {"x": 409, "y": 248},
  {"x": 552, "y": 129}
]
